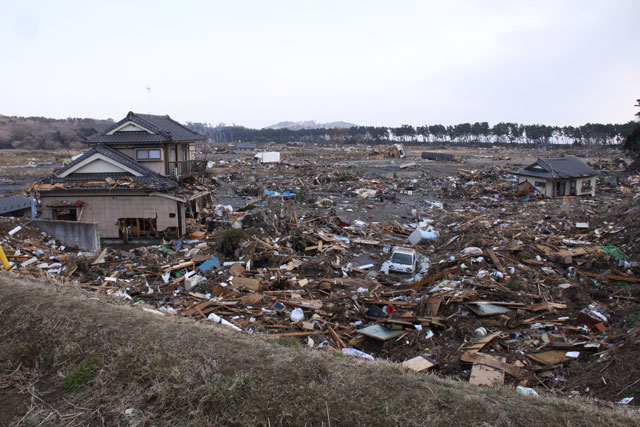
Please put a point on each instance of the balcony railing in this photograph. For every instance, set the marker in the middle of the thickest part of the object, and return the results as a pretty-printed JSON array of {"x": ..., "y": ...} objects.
[{"x": 187, "y": 168}]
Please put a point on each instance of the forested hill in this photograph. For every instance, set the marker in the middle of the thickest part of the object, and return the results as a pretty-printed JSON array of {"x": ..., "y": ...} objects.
[
  {"x": 590, "y": 133},
  {"x": 47, "y": 134}
]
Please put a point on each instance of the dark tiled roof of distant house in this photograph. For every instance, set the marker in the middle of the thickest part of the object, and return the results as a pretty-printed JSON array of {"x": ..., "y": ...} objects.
[
  {"x": 148, "y": 180},
  {"x": 558, "y": 167},
  {"x": 165, "y": 129},
  {"x": 14, "y": 203},
  {"x": 245, "y": 146}
]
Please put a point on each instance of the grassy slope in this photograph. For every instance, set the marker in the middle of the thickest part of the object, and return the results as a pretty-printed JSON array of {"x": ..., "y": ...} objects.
[{"x": 68, "y": 359}]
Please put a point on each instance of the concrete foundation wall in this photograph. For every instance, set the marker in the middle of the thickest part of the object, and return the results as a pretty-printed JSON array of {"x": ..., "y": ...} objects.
[{"x": 70, "y": 233}]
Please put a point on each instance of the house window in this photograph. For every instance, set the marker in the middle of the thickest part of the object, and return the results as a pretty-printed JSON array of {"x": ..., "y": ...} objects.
[
  {"x": 540, "y": 183},
  {"x": 151, "y": 154},
  {"x": 66, "y": 211},
  {"x": 586, "y": 186},
  {"x": 64, "y": 214}
]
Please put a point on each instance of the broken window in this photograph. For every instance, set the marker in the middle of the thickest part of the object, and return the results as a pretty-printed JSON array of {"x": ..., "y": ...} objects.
[
  {"x": 150, "y": 154},
  {"x": 540, "y": 183},
  {"x": 65, "y": 214},
  {"x": 586, "y": 185},
  {"x": 66, "y": 211},
  {"x": 137, "y": 227}
]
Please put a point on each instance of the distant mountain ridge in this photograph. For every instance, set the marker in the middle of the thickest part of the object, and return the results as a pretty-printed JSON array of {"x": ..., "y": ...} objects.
[{"x": 310, "y": 124}]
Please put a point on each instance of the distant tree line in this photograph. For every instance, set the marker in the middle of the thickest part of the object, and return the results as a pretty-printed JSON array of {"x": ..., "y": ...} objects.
[
  {"x": 47, "y": 134},
  {"x": 51, "y": 134},
  {"x": 632, "y": 142},
  {"x": 463, "y": 133}
]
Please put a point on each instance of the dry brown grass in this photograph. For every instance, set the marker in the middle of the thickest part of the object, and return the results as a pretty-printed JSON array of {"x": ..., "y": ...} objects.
[
  {"x": 16, "y": 157},
  {"x": 13, "y": 163},
  {"x": 68, "y": 359}
]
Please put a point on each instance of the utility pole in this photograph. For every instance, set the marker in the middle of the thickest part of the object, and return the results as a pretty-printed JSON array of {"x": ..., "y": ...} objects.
[{"x": 149, "y": 99}]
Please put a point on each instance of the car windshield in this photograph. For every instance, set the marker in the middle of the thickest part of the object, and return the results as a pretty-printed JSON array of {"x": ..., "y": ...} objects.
[{"x": 400, "y": 258}]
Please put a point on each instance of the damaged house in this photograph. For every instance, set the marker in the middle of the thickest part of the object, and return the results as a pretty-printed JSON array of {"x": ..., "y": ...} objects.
[
  {"x": 140, "y": 179},
  {"x": 557, "y": 177}
]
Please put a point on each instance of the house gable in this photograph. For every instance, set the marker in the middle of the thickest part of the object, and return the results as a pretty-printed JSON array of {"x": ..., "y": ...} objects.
[
  {"x": 537, "y": 167},
  {"x": 129, "y": 126},
  {"x": 144, "y": 128},
  {"x": 98, "y": 163}
]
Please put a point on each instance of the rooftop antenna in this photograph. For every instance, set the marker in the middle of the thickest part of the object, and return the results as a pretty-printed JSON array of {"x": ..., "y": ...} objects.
[{"x": 149, "y": 99}]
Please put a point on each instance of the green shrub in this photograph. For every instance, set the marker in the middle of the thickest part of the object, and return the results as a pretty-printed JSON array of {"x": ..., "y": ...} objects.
[
  {"x": 77, "y": 379},
  {"x": 231, "y": 240}
]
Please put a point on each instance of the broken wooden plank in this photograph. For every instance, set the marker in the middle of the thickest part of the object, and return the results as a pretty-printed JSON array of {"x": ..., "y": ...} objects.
[
  {"x": 478, "y": 344},
  {"x": 487, "y": 309},
  {"x": 549, "y": 357},
  {"x": 252, "y": 284},
  {"x": 379, "y": 332},
  {"x": 100, "y": 259},
  {"x": 483, "y": 375},
  {"x": 545, "y": 305},
  {"x": 314, "y": 304},
  {"x": 197, "y": 307},
  {"x": 366, "y": 242},
  {"x": 179, "y": 266},
  {"x": 578, "y": 251},
  {"x": 495, "y": 260},
  {"x": 420, "y": 364},
  {"x": 429, "y": 279},
  {"x": 336, "y": 338},
  {"x": 488, "y": 360},
  {"x": 297, "y": 334},
  {"x": 610, "y": 277}
]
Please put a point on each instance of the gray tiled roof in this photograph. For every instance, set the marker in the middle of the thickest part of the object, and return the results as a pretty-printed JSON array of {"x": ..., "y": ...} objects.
[
  {"x": 558, "y": 167},
  {"x": 164, "y": 127},
  {"x": 14, "y": 203},
  {"x": 148, "y": 179},
  {"x": 127, "y": 137}
]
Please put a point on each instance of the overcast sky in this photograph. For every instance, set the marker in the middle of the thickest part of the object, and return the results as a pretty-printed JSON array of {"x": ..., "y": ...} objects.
[{"x": 387, "y": 63}]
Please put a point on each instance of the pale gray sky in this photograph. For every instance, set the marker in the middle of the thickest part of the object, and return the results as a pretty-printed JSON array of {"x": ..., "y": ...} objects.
[{"x": 388, "y": 63}]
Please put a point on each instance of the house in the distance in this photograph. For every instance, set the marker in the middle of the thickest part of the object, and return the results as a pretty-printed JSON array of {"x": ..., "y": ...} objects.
[
  {"x": 140, "y": 179},
  {"x": 557, "y": 177}
]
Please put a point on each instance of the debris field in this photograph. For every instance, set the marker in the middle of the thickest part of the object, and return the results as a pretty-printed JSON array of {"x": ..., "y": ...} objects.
[{"x": 539, "y": 293}]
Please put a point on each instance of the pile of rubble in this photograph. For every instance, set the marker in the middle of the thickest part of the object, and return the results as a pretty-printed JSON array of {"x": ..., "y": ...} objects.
[{"x": 538, "y": 293}]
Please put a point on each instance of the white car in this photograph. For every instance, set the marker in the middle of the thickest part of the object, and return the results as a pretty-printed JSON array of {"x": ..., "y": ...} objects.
[{"x": 403, "y": 260}]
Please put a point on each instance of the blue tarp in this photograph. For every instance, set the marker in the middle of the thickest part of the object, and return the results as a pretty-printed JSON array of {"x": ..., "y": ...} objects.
[{"x": 212, "y": 262}]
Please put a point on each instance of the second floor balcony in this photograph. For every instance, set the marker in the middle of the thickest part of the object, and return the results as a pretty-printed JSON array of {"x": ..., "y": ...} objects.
[{"x": 187, "y": 168}]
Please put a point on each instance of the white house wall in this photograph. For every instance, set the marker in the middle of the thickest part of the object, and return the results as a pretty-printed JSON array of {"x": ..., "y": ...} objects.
[
  {"x": 546, "y": 191},
  {"x": 100, "y": 166},
  {"x": 579, "y": 182},
  {"x": 105, "y": 210},
  {"x": 129, "y": 127},
  {"x": 155, "y": 165}
]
